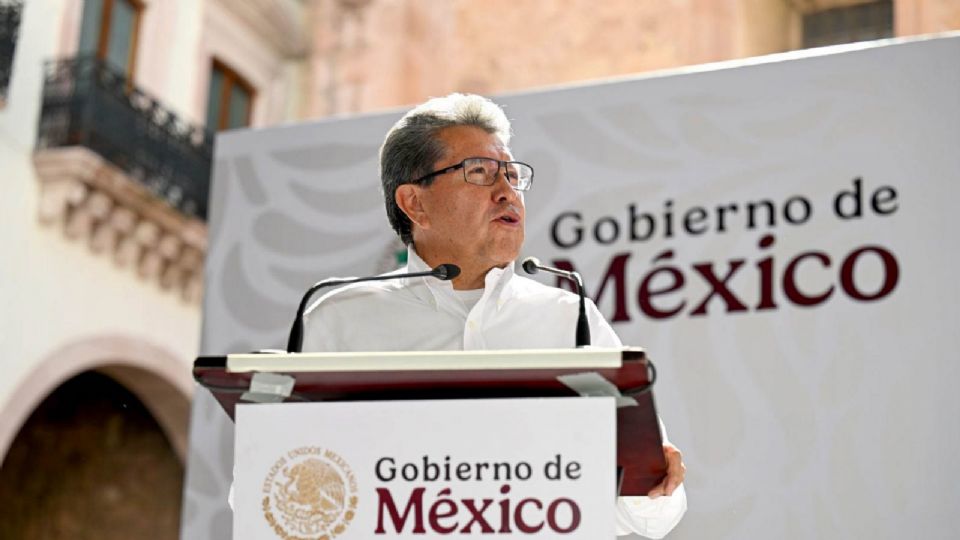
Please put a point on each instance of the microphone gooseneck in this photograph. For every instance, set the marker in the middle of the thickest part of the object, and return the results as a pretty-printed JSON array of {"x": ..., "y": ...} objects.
[
  {"x": 443, "y": 272},
  {"x": 531, "y": 265}
]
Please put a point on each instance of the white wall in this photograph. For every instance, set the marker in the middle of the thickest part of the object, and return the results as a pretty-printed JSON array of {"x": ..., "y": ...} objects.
[{"x": 55, "y": 292}]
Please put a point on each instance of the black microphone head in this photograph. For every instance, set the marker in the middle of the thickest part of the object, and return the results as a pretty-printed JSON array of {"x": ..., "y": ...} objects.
[
  {"x": 531, "y": 265},
  {"x": 446, "y": 272}
]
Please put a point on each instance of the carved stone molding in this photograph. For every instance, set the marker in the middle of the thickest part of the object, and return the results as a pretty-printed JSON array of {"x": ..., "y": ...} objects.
[
  {"x": 812, "y": 6},
  {"x": 94, "y": 201},
  {"x": 280, "y": 22}
]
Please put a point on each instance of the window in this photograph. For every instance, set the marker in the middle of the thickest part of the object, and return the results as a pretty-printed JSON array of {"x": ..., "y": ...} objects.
[
  {"x": 109, "y": 31},
  {"x": 848, "y": 24},
  {"x": 230, "y": 99},
  {"x": 9, "y": 29}
]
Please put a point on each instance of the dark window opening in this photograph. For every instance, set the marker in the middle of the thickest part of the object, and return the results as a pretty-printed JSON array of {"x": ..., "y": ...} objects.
[
  {"x": 109, "y": 31},
  {"x": 10, "y": 13},
  {"x": 230, "y": 99},
  {"x": 849, "y": 24}
]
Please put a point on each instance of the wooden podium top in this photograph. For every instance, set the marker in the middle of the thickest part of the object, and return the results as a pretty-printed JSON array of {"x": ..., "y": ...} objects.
[
  {"x": 485, "y": 360},
  {"x": 463, "y": 375},
  {"x": 425, "y": 375}
]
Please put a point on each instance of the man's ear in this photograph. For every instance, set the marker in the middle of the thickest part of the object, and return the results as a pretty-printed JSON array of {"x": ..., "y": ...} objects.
[{"x": 408, "y": 198}]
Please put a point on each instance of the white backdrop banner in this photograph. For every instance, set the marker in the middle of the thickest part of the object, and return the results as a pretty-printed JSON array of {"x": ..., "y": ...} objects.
[{"x": 776, "y": 234}]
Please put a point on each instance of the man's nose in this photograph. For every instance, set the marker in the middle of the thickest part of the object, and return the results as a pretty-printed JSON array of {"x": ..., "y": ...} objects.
[{"x": 502, "y": 190}]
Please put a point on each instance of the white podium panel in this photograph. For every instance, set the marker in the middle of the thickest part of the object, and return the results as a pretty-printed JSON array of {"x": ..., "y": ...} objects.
[{"x": 524, "y": 468}]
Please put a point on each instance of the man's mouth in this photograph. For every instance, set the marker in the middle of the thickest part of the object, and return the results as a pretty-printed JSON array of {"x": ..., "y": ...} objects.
[
  {"x": 508, "y": 218},
  {"x": 508, "y": 215}
]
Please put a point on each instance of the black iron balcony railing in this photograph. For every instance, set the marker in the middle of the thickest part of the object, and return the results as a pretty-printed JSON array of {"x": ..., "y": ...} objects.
[
  {"x": 88, "y": 103},
  {"x": 9, "y": 29}
]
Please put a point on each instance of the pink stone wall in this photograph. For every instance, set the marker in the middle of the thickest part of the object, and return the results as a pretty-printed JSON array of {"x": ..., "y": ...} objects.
[
  {"x": 926, "y": 16},
  {"x": 377, "y": 54},
  {"x": 390, "y": 53}
]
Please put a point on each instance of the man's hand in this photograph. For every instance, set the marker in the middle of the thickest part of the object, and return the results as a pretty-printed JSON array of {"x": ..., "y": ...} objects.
[{"x": 675, "y": 472}]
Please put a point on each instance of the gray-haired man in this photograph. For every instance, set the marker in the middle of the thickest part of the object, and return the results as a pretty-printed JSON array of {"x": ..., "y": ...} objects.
[{"x": 454, "y": 194}]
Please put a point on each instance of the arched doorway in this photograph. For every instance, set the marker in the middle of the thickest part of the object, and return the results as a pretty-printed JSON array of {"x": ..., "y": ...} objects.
[{"x": 91, "y": 461}]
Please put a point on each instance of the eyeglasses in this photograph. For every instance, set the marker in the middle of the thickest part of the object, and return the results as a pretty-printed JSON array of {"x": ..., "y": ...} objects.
[{"x": 484, "y": 172}]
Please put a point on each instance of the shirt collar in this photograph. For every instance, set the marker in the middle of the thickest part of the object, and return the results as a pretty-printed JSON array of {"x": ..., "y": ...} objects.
[{"x": 437, "y": 293}]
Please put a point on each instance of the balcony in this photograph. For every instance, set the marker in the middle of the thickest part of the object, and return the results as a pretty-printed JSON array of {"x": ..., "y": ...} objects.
[
  {"x": 123, "y": 172},
  {"x": 87, "y": 103},
  {"x": 9, "y": 28}
]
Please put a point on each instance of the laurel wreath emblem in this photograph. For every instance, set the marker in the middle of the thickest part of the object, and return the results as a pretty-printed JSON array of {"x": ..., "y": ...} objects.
[{"x": 311, "y": 495}]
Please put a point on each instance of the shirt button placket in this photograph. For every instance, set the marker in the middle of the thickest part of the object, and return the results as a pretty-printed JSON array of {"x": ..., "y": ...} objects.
[{"x": 471, "y": 334}]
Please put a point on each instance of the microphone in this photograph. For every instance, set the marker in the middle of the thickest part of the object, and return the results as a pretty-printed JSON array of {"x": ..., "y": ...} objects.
[
  {"x": 443, "y": 272},
  {"x": 531, "y": 265}
]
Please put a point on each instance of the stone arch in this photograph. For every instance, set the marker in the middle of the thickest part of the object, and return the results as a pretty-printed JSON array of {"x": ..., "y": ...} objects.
[{"x": 160, "y": 380}]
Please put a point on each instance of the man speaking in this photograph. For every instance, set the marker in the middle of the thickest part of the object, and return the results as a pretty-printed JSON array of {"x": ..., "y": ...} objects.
[{"x": 454, "y": 194}]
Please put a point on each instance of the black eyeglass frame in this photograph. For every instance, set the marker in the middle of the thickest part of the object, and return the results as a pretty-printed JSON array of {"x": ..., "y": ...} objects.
[{"x": 462, "y": 165}]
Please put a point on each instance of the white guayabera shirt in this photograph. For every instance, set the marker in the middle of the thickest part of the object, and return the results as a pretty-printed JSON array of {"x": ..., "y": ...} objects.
[{"x": 510, "y": 312}]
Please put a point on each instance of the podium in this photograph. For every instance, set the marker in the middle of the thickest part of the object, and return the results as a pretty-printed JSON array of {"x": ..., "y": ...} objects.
[{"x": 624, "y": 374}]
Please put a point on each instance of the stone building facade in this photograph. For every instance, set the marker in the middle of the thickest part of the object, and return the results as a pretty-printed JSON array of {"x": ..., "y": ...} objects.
[
  {"x": 375, "y": 54},
  {"x": 106, "y": 166}
]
